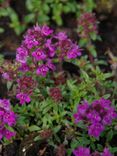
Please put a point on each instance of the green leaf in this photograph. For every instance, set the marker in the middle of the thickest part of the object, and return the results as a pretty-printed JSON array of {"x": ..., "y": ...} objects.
[
  {"x": 109, "y": 135},
  {"x": 9, "y": 84},
  {"x": 29, "y": 18},
  {"x": 33, "y": 128},
  {"x": 113, "y": 149},
  {"x": 108, "y": 75},
  {"x": 74, "y": 144},
  {"x": 106, "y": 96},
  {"x": 93, "y": 51},
  {"x": 83, "y": 42},
  {"x": 93, "y": 36},
  {"x": 37, "y": 138},
  {"x": 57, "y": 129},
  {"x": 99, "y": 147},
  {"x": 1, "y": 59}
]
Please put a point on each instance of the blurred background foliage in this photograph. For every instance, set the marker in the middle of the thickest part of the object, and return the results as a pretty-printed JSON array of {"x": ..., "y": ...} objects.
[
  {"x": 41, "y": 11},
  {"x": 17, "y": 16}
]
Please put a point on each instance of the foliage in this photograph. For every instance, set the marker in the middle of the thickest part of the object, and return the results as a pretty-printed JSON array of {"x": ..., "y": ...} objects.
[
  {"x": 49, "y": 117},
  {"x": 43, "y": 12},
  {"x": 45, "y": 97}
]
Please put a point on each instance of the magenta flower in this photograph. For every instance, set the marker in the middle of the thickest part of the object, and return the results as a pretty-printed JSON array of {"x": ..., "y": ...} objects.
[
  {"x": 95, "y": 129},
  {"x": 46, "y": 30},
  {"x": 5, "y": 104},
  {"x": 50, "y": 48},
  {"x": 6, "y": 76},
  {"x": 93, "y": 116},
  {"x": 61, "y": 36},
  {"x": 30, "y": 40},
  {"x": 42, "y": 70},
  {"x": 74, "y": 52},
  {"x": 101, "y": 104},
  {"x": 22, "y": 54},
  {"x": 39, "y": 55},
  {"x": 96, "y": 116},
  {"x": 110, "y": 114},
  {"x": 82, "y": 151},
  {"x": 50, "y": 65},
  {"x": 23, "y": 98},
  {"x": 9, "y": 134},
  {"x": 40, "y": 44},
  {"x": 82, "y": 109},
  {"x": 24, "y": 67},
  {"x": 106, "y": 152},
  {"x": 7, "y": 117}
]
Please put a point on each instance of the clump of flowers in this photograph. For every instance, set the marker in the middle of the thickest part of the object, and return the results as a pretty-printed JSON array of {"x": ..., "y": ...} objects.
[
  {"x": 82, "y": 151},
  {"x": 39, "y": 48},
  {"x": 97, "y": 115},
  {"x": 7, "y": 119},
  {"x": 26, "y": 86},
  {"x": 87, "y": 25},
  {"x": 85, "y": 151},
  {"x": 55, "y": 94}
]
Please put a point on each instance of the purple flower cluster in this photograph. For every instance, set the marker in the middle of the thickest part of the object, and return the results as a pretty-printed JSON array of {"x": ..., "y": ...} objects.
[
  {"x": 26, "y": 86},
  {"x": 83, "y": 151},
  {"x": 7, "y": 119},
  {"x": 97, "y": 115},
  {"x": 55, "y": 94},
  {"x": 87, "y": 25},
  {"x": 39, "y": 48}
]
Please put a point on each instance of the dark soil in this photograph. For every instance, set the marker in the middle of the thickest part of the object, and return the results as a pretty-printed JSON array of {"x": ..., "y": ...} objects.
[{"x": 32, "y": 149}]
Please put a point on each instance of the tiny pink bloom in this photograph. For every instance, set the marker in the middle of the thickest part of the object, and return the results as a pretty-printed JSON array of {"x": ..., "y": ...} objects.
[
  {"x": 24, "y": 67},
  {"x": 6, "y": 76},
  {"x": 61, "y": 36},
  {"x": 8, "y": 134},
  {"x": 22, "y": 54},
  {"x": 106, "y": 152},
  {"x": 42, "y": 70},
  {"x": 23, "y": 98},
  {"x": 39, "y": 55},
  {"x": 82, "y": 151},
  {"x": 95, "y": 129},
  {"x": 50, "y": 65},
  {"x": 9, "y": 118},
  {"x": 74, "y": 52},
  {"x": 46, "y": 30}
]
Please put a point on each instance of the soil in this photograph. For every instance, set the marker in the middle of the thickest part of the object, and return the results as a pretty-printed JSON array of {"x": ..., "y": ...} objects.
[{"x": 32, "y": 149}]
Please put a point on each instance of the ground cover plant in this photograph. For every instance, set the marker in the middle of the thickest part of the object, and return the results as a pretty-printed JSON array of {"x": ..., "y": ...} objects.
[
  {"x": 59, "y": 100},
  {"x": 75, "y": 113}
]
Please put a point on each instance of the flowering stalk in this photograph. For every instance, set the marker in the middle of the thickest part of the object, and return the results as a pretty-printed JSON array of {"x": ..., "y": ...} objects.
[
  {"x": 37, "y": 54},
  {"x": 88, "y": 31},
  {"x": 97, "y": 115},
  {"x": 7, "y": 119},
  {"x": 41, "y": 46}
]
